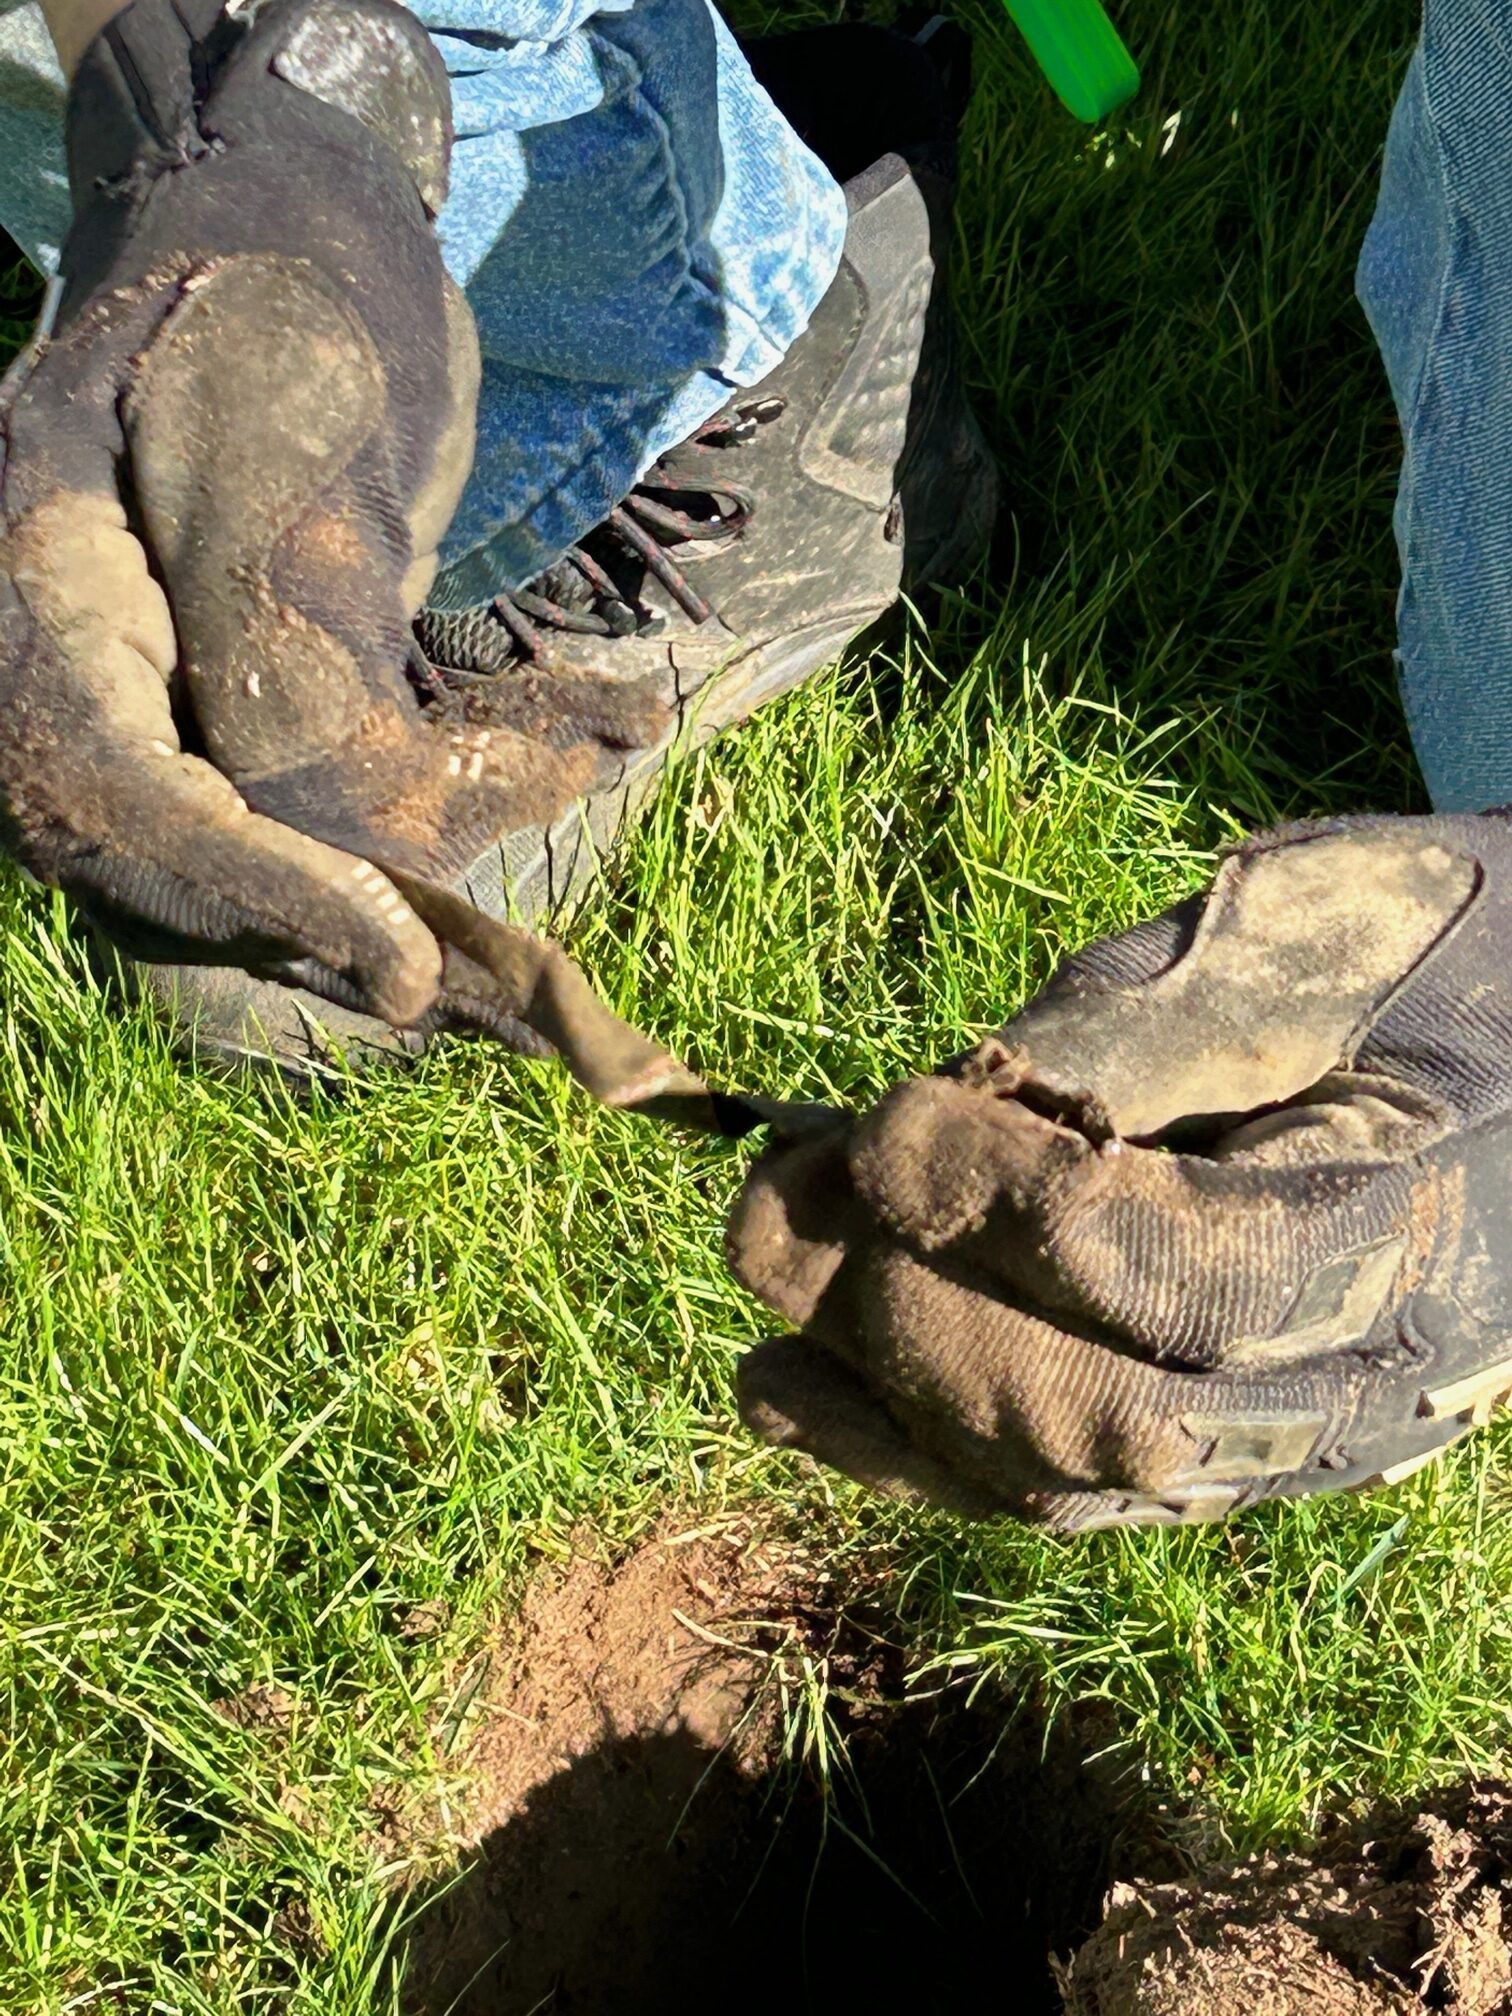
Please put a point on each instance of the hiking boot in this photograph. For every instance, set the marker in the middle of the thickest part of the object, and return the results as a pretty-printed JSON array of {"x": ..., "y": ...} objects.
[
  {"x": 743, "y": 561},
  {"x": 752, "y": 554}
]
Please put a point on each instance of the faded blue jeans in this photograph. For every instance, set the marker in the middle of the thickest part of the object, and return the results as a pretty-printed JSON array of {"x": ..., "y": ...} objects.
[
  {"x": 637, "y": 228},
  {"x": 1435, "y": 279}
]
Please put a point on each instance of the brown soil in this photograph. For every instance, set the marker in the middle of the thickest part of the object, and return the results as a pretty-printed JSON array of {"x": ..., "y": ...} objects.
[
  {"x": 1407, "y": 1913},
  {"x": 630, "y": 1838}
]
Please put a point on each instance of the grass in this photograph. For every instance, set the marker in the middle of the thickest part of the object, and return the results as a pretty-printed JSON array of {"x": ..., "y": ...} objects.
[{"x": 277, "y": 1375}]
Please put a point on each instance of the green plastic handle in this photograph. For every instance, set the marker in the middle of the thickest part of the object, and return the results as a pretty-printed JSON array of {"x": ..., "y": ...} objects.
[{"x": 1080, "y": 52}]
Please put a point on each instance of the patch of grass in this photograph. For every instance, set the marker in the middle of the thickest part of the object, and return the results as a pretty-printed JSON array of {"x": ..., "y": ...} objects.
[
  {"x": 280, "y": 1375},
  {"x": 20, "y": 299},
  {"x": 1263, "y": 1674}
]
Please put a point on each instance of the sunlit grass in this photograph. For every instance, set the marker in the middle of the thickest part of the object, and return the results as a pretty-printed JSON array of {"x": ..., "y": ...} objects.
[{"x": 278, "y": 1373}]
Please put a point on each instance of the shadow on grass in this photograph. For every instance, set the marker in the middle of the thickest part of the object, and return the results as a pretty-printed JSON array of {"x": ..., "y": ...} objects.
[{"x": 653, "y": 1874}]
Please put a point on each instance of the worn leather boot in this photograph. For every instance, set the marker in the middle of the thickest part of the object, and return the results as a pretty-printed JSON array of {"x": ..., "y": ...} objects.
[{"x": 752, "y": 554}]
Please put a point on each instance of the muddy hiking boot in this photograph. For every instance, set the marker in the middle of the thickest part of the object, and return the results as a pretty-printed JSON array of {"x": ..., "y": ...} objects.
[{"x": 750, "y": 555}]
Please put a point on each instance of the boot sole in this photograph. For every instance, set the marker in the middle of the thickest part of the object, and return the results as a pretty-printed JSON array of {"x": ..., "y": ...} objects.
[{"x": 547, "y": 869}]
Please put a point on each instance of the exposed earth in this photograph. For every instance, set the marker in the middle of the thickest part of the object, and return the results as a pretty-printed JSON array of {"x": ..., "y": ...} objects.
[
  {"x": 629, "y": 1831},
  {"x": 633, "y": 1838},
  {"x": 1406, "y": 1912}
]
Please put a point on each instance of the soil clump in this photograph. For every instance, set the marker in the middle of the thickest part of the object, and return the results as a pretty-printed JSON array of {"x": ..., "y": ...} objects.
[{"x": 1406, "y": 1912}]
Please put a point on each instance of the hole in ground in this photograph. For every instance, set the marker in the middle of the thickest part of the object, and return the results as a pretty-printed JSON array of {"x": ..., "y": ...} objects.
[{"x": 671, "y": 1859}]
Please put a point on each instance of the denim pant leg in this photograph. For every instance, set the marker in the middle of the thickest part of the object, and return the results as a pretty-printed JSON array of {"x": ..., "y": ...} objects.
[
  {"x": 637, "y": 228},
  {"x": 1435, "y": 279},
  {"x": 34, "y": 203}
]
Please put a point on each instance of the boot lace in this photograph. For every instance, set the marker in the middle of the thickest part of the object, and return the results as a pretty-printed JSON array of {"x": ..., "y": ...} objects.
[{"x": 686, "y": 497}]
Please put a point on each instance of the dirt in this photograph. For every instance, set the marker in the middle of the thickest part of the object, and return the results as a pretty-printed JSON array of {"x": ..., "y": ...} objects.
[
  {"x": 1407, "y": 1912},
  {"x": 259, "y": 1707},
  {"x": 626, "y": 1834},
  {"x": 626, "y": 1829}
]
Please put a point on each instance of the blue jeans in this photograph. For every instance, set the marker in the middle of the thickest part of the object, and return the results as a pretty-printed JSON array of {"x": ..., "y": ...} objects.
[
  {"x": 1435, "y": 279},
  {"x": 638, "y": 230}
]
